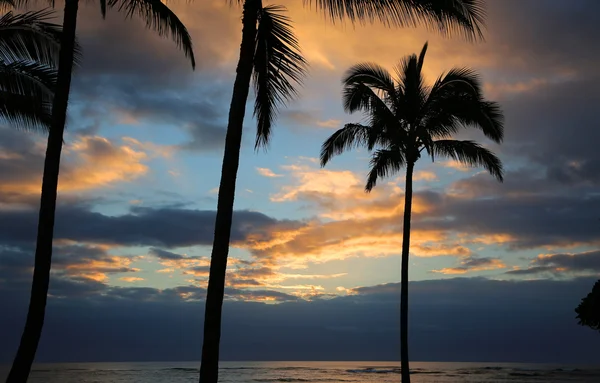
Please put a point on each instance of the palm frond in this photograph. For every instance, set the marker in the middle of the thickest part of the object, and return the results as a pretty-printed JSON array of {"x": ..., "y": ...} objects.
[
  {"x": 457, "y": 99},
  {"x": 384, "y": 162},
  {"x": 161, "y": 19},
  {"x": 372, "y": 75},
  {"x": 413, "y": 88},
  {"x": 457, "y": 80},
  {"x": 381, "y": 112},
  {"x": 363, "y": 96},
  {"x": 29, "y": 36},
  {"x": 447, "y": 16},
  {"x": 103, "y": 8},
  {"x": 469, "y": 153},
  {"x": 346, "y": 138},
  {"x": 450, "y": 17},
  {"x": 27, "y": 78},
  {"x": 26, "y": 112},
  {"x": 278, "y": 68}
]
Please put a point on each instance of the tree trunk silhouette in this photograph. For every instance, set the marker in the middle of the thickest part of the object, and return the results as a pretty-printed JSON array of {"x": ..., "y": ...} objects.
[
  {"x": 404, "y": 278},
  {"x": 30, "y": 339},
  {"x": 209, "y": 368}
]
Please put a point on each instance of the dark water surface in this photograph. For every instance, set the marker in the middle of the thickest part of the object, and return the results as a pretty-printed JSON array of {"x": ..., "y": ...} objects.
[{"x": 358, "y": 372}]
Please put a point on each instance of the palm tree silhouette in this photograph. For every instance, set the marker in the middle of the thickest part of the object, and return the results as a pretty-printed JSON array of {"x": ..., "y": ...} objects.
[
  {"x": 157, "y": 17},
  {"x": 28, "y": 57},
  {"x": 588, "y": 311},
  {"x": 405, "y": 118},
  {"x": 457, "y": 16}
]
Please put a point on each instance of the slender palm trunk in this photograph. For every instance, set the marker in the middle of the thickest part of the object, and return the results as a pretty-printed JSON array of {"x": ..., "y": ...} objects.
[
  {"x": 209, "y": 369},
  {"x": 43, "y": 252},
  {"x": 404, "y": 278}
]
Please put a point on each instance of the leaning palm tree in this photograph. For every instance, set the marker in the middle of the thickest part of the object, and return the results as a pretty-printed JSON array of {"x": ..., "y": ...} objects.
[
  {"x": 405, "y": 118},
  {"x": 157, "y": 17},
  {"x": 29, "y": 47},
  {"x": 447, "y": 16}
]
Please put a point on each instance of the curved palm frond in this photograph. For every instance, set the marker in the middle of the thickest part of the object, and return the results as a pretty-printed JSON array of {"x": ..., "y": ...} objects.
[
  {"x": 27, "y": 78},
  {"x": 372, "y": 75},
  {"x": 358, "y": 96},
  {"x": 469, "y": 153},
  {"x": 457, "y": 80},
  {"x": 457, "y": 99},
  {"x": 447, "y": 16},
  {"x": 25, "y": 112},
  {"x": 381, "y": 111},
  {"x": 29, "y": 36},
  {"x": 348, "y": 137},
  {"x": 161, "y": 19},
  {"x": 278, "y": 68},
  {"x": 384, "y": 162},
  {"x": 462, "y": 17}
]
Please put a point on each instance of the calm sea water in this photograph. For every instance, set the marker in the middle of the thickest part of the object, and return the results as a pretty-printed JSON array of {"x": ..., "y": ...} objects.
[{"x": 358, "y": 372}]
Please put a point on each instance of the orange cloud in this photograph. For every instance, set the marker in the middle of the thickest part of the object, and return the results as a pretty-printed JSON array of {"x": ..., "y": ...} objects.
[
  {"x": 131, "y": 279},
  {"x": 473, "y": 264},
  {"x": 265, "y": 172},
  {"x": 331, "y": 123},
  {"x": 425, "y": 175},
  {"x": 89, "y": 163}
]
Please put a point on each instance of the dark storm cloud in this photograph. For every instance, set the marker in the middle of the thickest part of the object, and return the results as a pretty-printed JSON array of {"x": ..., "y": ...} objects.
[
  {"x": 544, "y": 36},
  {"x": 559, "y": 264},
  {"x": 533, "y": 221},
  {"x": 163, "y": 254},
  {"x": 556, "y": 128},
  {"x": 167, "y": 227},
  {"x": 451, "y": 320}
]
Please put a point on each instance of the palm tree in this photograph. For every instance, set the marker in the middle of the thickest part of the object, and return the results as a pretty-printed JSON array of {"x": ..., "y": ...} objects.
[
  {"x": 455, "y": 16},
  {"x": 405, "y": 118},
  {"x": 157, "y": 17},
  {"x": 28, "y": 51},
  {"x": 588, "y": 311}
]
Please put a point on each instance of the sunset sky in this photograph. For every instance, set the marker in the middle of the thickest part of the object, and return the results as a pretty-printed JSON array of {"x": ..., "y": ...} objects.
[{"x": 142, "y": 159}]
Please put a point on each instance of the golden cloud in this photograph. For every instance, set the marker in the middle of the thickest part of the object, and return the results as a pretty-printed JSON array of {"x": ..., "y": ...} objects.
[
  {"x": 266, "y": 172},
  {"x": 469, "y": 265}
]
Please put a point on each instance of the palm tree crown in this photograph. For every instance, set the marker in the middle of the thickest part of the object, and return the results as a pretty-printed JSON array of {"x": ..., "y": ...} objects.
[
  {"x": 278, "y": 53},
  {"x": 406, "y": 117}
]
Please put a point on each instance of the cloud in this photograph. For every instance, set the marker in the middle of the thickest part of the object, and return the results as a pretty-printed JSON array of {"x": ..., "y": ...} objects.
[
  {"x": 89, "y": 162},
  {"x": 131, "y": 279},
  {"x": 331, "y": 123},
  {"x": 266, "y": 172},
  {"x": 449, "y": 319},
  {"x": 470, "y": 264},
  {"x": 586, "y": 263},
  {"x": 425, "y": 175},
  {"x": 141, "y": 227}
]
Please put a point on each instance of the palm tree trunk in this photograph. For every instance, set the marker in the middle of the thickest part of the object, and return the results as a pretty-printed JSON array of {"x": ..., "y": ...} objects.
[
  {"x": 404, "y": 278},
  {"x": 23, "y": 361},
  {"x": 209, "y": 369}
]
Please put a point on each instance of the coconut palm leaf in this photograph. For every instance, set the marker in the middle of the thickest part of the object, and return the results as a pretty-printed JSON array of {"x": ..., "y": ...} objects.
[
  {"x": 384, "y": 162},
  {"x": 348, "y": 137},
  {"x": 456, "y": 101},
  {"x": 278, "y": 68},
  {"x": 29, "y": 36},
  {"x": 469, "y": 153},
  {"x": 464, "y": 17},
  {"x": 27, "y": 78},
  {"x": 19, "y": 111},
  {"x": 157, "y": 17}
]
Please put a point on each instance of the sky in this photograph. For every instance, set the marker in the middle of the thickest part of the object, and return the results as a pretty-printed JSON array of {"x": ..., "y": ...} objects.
[{"x": 496, "y": 269}]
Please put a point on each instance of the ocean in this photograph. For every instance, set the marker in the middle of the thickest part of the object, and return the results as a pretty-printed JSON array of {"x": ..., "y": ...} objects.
[{"x": 268, "y": 372}]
